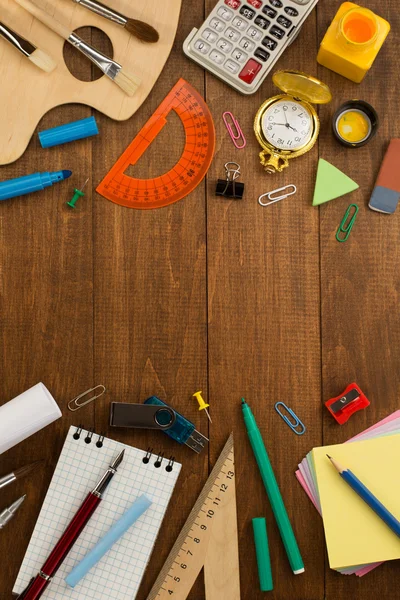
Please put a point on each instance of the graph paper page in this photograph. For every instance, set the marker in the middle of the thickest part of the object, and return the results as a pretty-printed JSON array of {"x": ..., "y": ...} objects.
[{"x": 118, "y": 575}]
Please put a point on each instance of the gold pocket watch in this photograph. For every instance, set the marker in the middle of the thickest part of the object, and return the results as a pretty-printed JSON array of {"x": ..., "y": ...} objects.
[{"x": 287, "y": 126}]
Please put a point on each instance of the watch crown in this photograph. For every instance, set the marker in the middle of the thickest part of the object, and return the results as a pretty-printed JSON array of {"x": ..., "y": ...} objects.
[{"x": 273, "y": 163}]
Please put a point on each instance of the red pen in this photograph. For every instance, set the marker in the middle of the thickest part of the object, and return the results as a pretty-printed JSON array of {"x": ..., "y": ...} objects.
[{"x": 39, "y": 583}]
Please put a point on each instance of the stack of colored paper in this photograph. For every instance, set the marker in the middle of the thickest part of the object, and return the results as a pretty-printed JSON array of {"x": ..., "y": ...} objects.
[{"x": 357, "y": 539}]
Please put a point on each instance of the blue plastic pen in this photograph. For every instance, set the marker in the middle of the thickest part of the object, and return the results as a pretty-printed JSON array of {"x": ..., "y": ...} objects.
[
  {"x": 367, "y": 496},
  {"x": 30, "y": 183}
]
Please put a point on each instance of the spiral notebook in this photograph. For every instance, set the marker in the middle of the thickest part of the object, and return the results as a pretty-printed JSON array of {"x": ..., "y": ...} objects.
[{"x": 83, "y": 460}]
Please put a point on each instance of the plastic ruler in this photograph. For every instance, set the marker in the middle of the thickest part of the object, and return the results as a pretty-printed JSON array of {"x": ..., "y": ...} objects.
[
  {"x": 208, "y": 539},
  {"x": 189, "y": 171}
]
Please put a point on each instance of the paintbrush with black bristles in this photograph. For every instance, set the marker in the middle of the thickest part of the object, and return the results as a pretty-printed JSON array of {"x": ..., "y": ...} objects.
[
  {"x": 19, "y": 473},
  {"x": 143, "y": 31}
]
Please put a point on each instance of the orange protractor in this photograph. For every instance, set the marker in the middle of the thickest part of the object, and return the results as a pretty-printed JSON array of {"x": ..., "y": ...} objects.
[{"x": 188, "y": 172}]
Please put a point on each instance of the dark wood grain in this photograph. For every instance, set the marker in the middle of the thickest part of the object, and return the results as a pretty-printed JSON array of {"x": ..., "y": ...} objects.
[
  {"x": 264, "y": 328},
  {"x": 360, "y": 279},
  {"x": 211, "y": 294}
]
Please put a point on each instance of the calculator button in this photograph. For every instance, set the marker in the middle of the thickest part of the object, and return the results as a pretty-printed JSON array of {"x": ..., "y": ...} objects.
[
  {"x": 262, "y": 54},
  {"x": 224, "y": 45},
  {"x": 269, "y": 43},
  {"x": 217, "y": 57},
  {"x": 240, "y": 23},
  {"x": 217, "y": 24},
  {"x": 250, "y": 71},
  {"x": 255, "y": 34},
  {"x": 247, "y": 44},
  {"x": 225, "y": 13},
  {"x": 232, "y": 34},
  {"x": 247, "y": 12},
  {"x": 261, "y": 22},
  {"x": 277, "y": 32},
  {"x": 202, "y": 47},
  {"x": 239, "y": 55},
  {"x": 255, "y": 3},
  {"x": 270, "y": 12},
  {"x": 233, "y": 3},
  {"x": 284, "y": 22},
  {"x": 209, "y": 35},
  {"x": 231, "y": 66},
  {"x": 291, "y": 11},
  {"x": 276, "y": 3}
]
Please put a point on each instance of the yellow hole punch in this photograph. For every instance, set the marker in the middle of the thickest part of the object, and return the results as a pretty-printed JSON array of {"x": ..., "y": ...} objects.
[{"x": 202, "y": 403}]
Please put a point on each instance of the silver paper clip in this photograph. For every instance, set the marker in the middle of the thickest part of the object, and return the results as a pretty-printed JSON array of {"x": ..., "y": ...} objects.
[
  {"x": 235, "y": 135},
  {"x": 74, "y": 404},
  {"x": 292, "y": 424},
  {"x": 272, "y": 198}
]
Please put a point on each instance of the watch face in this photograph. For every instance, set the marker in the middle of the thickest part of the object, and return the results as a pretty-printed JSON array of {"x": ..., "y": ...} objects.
[{"x": 287, "y": 125}]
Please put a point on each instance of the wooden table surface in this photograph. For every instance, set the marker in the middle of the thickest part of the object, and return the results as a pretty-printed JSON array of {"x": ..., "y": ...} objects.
[{"x": 208, "y": 294}]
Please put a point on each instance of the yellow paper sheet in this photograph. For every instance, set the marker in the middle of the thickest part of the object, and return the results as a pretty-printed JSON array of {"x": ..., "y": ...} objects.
[{"x": 354, "y": 534}]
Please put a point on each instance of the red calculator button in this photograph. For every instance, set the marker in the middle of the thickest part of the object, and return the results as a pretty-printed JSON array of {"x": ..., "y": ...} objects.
[
  {"x": 233, "y": 3},
  {"x": 255, "y": 3},
  {"x": 250, "y": 71}
]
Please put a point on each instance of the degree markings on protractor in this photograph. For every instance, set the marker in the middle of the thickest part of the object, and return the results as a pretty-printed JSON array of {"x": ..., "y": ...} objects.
[
  {"x": 188, "y": 172},
  {"x": 211, "y": 525}
]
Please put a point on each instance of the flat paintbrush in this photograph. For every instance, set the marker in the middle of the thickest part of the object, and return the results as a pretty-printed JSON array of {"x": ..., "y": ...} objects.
[
  {"x": 35, "y": 55},
  {"x": 143, "y": 31},
  {"x": 127, "y": 82},
  {"x": 19, "y": 473}
]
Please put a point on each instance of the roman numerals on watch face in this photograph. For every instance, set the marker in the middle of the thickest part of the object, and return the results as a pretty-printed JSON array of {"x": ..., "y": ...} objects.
[{"x": 287, "y": 125}]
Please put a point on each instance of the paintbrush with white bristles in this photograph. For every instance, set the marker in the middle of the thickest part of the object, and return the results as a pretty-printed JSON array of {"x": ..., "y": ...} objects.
[
  {"x": 35, "y": 55},
  {"x": 126, "y": 81}
]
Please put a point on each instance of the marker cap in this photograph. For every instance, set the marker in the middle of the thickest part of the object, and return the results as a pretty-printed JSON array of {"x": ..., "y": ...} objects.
[
  {"x": 262, "y": 552},
  {"x": 77, "y": 130}
]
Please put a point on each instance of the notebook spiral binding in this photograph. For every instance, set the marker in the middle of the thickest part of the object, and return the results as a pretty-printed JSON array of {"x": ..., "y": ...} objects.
[{"x": 146, "y": 459}]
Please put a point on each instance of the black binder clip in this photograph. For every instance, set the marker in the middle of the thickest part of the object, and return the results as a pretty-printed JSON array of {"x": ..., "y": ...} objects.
[{"x": 230, "y": 188}]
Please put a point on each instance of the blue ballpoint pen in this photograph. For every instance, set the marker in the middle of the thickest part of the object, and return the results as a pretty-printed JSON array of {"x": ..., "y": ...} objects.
[
  {"x": 367, "y": 496},
  {"x": 30, "y": 183}
]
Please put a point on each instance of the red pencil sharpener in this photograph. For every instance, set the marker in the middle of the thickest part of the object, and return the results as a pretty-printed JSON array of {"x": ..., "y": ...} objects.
[{"x": 348, "y": 403}]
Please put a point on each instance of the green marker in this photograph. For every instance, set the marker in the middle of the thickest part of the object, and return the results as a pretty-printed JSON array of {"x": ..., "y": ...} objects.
[
  {"x": 262, "y": 553},
  {"x": 272, "y": 489}
]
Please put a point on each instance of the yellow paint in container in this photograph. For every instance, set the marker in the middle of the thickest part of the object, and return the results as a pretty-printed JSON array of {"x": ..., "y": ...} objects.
[
  {"x": 355, "y": 123},
  {"x": 354, "y": 126},
  {"x": 353, "y": 41}
]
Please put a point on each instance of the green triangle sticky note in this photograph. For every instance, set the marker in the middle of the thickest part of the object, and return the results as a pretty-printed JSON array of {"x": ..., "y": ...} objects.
[{"x": 331, "y": 183}]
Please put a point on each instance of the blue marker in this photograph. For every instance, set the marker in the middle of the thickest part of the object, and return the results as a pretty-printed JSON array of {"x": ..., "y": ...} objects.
[
  {"x": 30, "y": 183},
  {"x": 140, "y": 505}
]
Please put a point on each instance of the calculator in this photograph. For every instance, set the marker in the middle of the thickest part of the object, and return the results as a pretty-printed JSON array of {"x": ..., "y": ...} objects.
[{"x": 241, "y": 40}]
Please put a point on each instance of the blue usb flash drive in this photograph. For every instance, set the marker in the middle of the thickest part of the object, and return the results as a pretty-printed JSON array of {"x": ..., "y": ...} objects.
[{"x": 156, "y": 414}]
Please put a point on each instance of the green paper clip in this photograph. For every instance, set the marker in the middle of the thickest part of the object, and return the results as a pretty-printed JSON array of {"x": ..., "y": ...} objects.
[{"x": 347, "y": 225}]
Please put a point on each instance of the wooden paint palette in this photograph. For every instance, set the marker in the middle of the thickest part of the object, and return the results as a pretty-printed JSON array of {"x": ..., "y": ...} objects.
[
  {"x": 189, "y": 171},
  {"x": 26, "y": 93}
]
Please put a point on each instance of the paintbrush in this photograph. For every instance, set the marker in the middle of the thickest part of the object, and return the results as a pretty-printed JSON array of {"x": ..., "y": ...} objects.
[
  {"x": 141, "y": 30},
  {"x": 19, "y": 473},
  {"x": 35, "y": 55},
  {"x": 126, "y": 81}
]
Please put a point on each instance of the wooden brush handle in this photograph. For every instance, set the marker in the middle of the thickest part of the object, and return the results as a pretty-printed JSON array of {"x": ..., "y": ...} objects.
[{"x": 45, "y": 18}]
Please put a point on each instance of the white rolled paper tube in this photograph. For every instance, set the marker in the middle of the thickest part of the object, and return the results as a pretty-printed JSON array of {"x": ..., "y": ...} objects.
[{"x": 26, "y": 414}]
